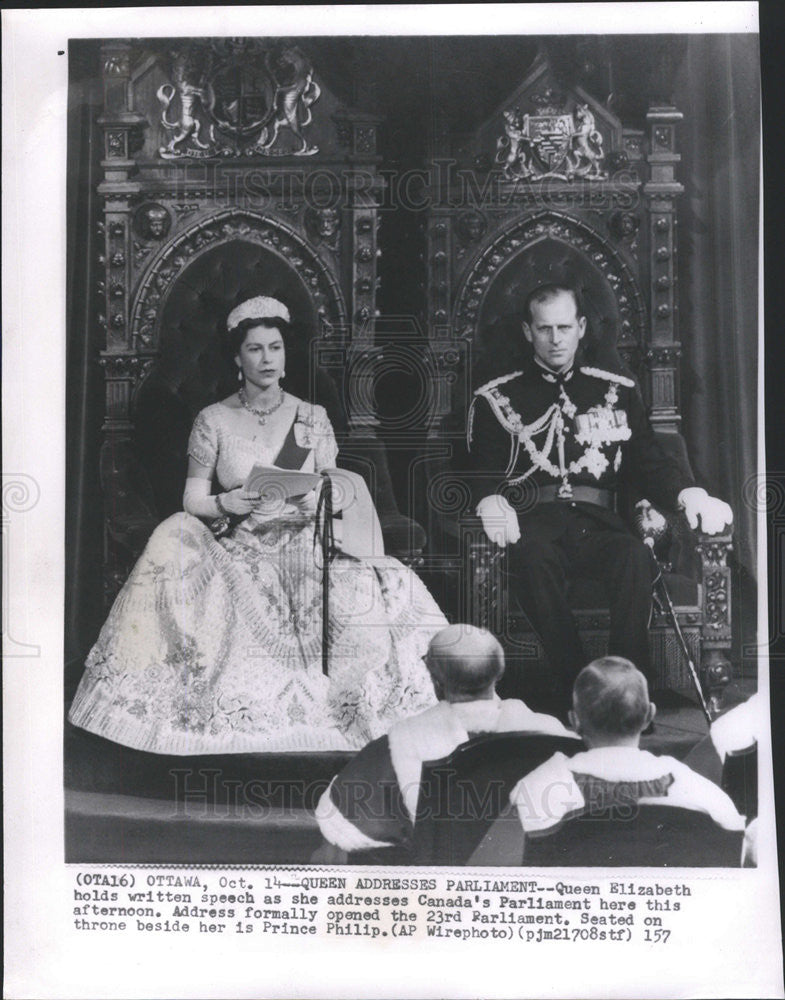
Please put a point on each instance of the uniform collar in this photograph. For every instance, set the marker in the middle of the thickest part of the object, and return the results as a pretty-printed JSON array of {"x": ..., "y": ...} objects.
[{"x": 557, "y": 378}]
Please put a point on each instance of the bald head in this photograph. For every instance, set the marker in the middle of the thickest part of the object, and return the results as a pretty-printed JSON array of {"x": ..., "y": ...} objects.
[
  {"x": 611, "y": 700},
  {"x": 465, "y": 663}
]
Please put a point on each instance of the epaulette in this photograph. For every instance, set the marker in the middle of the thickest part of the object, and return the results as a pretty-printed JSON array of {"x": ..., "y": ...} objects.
[
  {"x": 504, "y": 413},
  {"x": 608, "y": 376},
  {"x": 496, "y": 381}
]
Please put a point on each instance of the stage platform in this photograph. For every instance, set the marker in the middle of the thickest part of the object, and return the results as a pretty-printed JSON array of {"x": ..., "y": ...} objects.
[{"x": 125, "y": 806}]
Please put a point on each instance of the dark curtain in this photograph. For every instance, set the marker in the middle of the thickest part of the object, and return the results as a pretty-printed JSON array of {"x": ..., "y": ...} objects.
[
  {"x": 84, "y": 607},
  {"x": 717, "y": 88}
]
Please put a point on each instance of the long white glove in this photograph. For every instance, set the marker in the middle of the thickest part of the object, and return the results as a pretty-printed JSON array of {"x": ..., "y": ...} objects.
[
  {"x": 499, "y": 520},
  {"x": 197, "y": 499},
  {"x": 714, "y": 514}
]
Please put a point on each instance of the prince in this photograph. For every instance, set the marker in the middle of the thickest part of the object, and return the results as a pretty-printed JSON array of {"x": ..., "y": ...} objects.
[{"x": 568, "y": 437}]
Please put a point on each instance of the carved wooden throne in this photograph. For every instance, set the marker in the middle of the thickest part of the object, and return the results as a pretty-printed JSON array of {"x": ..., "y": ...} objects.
[
  {"x": 229, "y": 170},
  {"x": 552, "y": 187}
]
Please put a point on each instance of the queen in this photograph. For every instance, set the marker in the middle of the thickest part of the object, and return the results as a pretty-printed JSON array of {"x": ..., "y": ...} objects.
[{"x": 214, "y": 644}]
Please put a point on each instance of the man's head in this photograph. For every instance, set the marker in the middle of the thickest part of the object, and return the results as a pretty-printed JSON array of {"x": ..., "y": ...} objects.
[
  {"x": 610, "y": 703},
  {"x": 553, "y": 323},
  {"x": 464, "y": 663}
]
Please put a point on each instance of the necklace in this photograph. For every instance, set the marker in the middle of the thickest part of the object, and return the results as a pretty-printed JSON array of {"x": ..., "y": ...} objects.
[{"x": 261, "y": 414}]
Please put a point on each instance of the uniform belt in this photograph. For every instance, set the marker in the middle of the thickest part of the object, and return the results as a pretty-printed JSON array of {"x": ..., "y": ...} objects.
[{"x": 580, "y": 494}]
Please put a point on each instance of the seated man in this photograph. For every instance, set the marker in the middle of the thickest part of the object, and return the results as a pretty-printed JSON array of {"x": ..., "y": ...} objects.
[
  {"x": 572, "y": 434},
  {"x": 733, "y": 739},
  {"x": 732, "y": 733},
  {"x": 611, "y": 708},
  {"x": 737, "y": 730},
  {"x": 372, "y": 803}
]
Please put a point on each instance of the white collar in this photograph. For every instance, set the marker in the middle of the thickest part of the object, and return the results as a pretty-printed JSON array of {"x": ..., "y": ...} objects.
[
  {"x": 621, "y": 764},
  {"x": 550, "y": 793}
]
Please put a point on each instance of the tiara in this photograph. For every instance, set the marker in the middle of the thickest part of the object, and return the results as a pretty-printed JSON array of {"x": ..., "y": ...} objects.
[{"x": 262, "y": 307}]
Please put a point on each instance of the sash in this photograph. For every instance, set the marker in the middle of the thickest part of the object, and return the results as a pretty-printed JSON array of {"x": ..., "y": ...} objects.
[{"x": 361, "y": 534}]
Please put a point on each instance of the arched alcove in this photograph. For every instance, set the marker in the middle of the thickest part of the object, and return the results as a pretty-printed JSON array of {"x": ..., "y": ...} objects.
[
  {"x": 549, "y": 247},
  {"x": 193, "y": 366}
]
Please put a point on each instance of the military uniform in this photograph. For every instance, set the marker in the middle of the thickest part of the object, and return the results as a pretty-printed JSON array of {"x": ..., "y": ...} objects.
[{"x": 560, "y": 447}]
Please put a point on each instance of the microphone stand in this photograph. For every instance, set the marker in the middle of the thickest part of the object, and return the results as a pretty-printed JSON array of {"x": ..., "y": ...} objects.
[{"x": 326, "y": 539}]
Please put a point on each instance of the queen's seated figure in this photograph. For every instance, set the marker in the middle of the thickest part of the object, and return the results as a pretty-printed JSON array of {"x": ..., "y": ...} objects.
[{"x": 214, "y": 644}]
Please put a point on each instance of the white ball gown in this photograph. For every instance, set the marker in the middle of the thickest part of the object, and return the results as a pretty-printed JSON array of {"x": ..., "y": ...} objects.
[{"x": 215, "y": 645}]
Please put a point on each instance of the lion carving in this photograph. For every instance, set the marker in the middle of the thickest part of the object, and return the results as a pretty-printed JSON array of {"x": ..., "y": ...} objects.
[{"x": 295, "y": 92}]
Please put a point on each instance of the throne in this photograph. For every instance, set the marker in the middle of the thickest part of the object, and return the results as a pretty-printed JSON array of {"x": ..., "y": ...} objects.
[
  {"x": 229, "y": 170},
  {"x": 552, "y": 187}
]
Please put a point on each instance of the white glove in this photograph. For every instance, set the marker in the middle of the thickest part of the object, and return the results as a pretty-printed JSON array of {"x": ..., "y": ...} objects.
[
  {"x": 499, "y": 520},
  {"x": 714, "y": 514},
  {"x": 197, "y": 499}
]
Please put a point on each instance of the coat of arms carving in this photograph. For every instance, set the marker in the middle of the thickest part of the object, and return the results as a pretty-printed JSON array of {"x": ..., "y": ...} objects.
[
  {"x": 553, "y": 143},
  {"x": 233, "y": 96}
]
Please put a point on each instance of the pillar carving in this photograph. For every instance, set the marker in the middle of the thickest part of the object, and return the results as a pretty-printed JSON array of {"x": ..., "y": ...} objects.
[{"x": 661, "y": 192}]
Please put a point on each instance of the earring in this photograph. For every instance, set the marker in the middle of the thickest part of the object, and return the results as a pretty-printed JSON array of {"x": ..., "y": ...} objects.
[
  {"x": 283, "y": 375},
  {"x": 239, "y": 374}
]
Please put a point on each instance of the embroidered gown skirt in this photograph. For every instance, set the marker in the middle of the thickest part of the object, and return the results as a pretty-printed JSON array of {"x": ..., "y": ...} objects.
[{"x": 215, "y": 645}]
